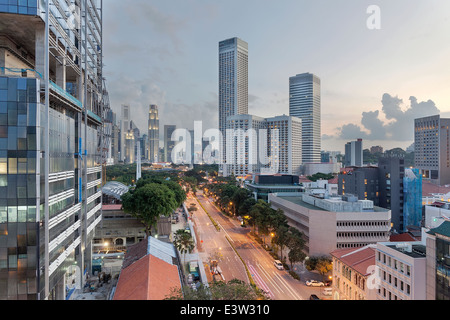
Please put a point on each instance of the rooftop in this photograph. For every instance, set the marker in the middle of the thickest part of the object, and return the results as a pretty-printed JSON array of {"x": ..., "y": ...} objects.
[
  {"x": 442, "y": 229},
  {"x": 416, "y": 250},
  {"x": 359, "y": 259}
]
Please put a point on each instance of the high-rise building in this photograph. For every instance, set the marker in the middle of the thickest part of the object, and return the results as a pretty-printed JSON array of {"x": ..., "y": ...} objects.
[
  {"x": 263, "y": 145},
  {"x": 432, "y": 149},
  {"x": 233, "y": 83},
  {"x": 153, "y": 134},
  {"x": 242, "y": 144},
  {"x": 383, "y": 185},
  {"x": 51, "y": 114},
  {"x": 412, "y": 200},
  {"x": 124, "y": 127},
  {"x": 304, "y": 103},
  {"x": 288, "y": 151},
  {"x": 168, "y": 143},
  {"x": 354, "y": 154}
]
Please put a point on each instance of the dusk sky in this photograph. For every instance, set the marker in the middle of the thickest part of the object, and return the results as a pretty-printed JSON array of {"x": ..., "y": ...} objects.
[{"x": 374, "y": 82}]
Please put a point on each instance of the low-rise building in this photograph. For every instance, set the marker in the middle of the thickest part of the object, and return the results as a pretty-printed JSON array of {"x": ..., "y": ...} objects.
[
  {"x": 401, "y": 270},
  {"x": 352, "y": 269},
  {"x": 334, "y": 223}
]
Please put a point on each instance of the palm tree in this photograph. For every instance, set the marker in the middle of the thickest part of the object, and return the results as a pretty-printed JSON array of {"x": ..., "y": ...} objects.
[{"x": 183, "y": 242}]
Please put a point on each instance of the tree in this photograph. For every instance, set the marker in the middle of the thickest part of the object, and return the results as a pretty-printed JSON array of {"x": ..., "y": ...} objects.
[
  {"x": 234, "y": 289},
  {"x": 183, "y": 242},
  {"x": 296, "y": 246},
  {"x": 282, "y": 238},
  {"x": 323, "y": 266},
  {"x": 148, "y": 203}
]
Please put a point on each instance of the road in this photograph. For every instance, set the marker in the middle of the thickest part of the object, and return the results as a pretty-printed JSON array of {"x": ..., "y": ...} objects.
[{"x": 277, "y": 284}]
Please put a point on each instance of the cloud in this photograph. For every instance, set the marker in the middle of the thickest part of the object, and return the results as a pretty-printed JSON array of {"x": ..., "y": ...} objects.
[{"x": 399, "y": 124}]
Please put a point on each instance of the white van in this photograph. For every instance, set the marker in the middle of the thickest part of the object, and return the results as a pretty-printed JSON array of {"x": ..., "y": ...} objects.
[
  {"x": 327, "y": 291},
  {"x": 278, "y": 264}
]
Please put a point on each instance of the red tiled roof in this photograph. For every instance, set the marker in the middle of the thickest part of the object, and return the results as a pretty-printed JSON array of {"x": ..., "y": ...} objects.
[
  {"x": 401, "y": 237},
  {"x": 359, "y": 259},
  {"x": 149, "y": 278},
  {"x": 111, "y": 207},
  {"x": 333, "y": 181},
  {"x": 428, "y": 188},
  {"x": 303, "y": 179}
]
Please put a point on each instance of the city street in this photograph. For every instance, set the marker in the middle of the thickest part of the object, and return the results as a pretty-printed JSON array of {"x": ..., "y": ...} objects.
[{"x": 278, "y": 284}]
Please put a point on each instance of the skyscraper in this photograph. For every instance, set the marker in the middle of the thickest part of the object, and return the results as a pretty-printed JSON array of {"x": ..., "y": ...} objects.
[
  {"x": 432, "y": 149},
  {"x": 354, "y": 153},
  {"x": 304, "y": 103},
  {"x": 124, "y": 127},
  {"x": 51, "y": 114},
  {"x": 233, "y": 83},
  {"x": 168, "y": 143},
  {"x": 153, "y": 133}
]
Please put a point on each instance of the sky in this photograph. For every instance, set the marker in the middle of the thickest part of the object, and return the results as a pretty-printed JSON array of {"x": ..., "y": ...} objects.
[{"x": 374, "y": 82}]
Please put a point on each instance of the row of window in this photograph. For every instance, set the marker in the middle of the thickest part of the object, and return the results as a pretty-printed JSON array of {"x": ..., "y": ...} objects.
[{"x": 394, "y": 263}]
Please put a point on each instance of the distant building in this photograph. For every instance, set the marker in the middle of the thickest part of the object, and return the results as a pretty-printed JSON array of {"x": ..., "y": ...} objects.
[
  {"x": 262, "y": 185},
  {"x": 168, "y": 143},
  {"x": 153, "y": 134},
  {"x": 383, "y": 184},
  {"x": 233, "y": 84},
  {"x": 376, "y": 149},
  {"x": 432, "y": 149},
  {"x": 305, "y": 103},
  {"x": 354, "y": 153}
]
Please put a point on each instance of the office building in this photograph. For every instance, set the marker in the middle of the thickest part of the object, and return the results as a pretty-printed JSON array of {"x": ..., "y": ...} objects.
[
  {"x": 334, "y": 222},
  {"x": 51, "y": 112},
  {"x": 354, "y": 154},
  {"x": 263, "y": 145},
  {"x": 432, "y": 149},
  {"x": 382, "y": 184},
  {"x": 286, "y": 154},
  {"x": 233, "y": 84},
  {"x": 168, "y": 143},
  {"x": 401, "y": 270},
  {"x": 125, "y": 123},
  {"x": 243, "y": 132},
  {"x": 153, "y": 134},
  {"x": 262, "y": 185},
  {"x": 304, "y": 103}
]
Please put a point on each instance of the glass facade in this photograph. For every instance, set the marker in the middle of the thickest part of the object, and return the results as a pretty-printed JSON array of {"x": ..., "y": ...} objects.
[
  {"x": 442, "y": 269},
  {"x": 19, "y": 197},
  {"x": 28, "y": 7}
]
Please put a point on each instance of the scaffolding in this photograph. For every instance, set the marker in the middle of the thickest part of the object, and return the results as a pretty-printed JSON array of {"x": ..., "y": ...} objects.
[{"x": 412, "y": 198}]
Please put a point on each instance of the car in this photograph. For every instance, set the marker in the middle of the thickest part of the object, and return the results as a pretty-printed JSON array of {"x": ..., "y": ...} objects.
[
  {"x": 278, "y": 264},
  {"x": 314, "y": 283},
  {"x": 327, "y": 291},
  {"x": 313, "y": 297}
]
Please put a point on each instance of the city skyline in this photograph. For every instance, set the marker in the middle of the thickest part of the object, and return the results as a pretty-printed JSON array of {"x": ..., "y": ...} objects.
[{"x": 377, "y": 79}]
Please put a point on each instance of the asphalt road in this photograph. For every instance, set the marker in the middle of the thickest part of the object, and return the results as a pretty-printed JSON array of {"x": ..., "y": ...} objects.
[{"x": 277, "y": 284}]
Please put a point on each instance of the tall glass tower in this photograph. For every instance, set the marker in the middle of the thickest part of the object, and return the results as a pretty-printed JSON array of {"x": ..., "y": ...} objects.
[
  {"x": 51, "y": 115},
  {"x": 233, "y": 84},
  {"x": 304, "y": 103},
  {"x": 153, "y": 133}
]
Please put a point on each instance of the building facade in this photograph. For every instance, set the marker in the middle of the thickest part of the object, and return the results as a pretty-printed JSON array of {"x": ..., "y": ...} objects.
[
  {"x": 333, "y": 223},
  {"x": 305, "y": 103},
  {"x": 233, "y": 84},
  {"x": 401, "y": 271},
  {"x": 153, "y": 134},
  {"x": 168, "y": 143},
  {"x": 354, "y": 153},
  {"x": 432, "y": 149},
  {"x": 51, "y": 106},
  {"x": 352, "y": 269}
]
